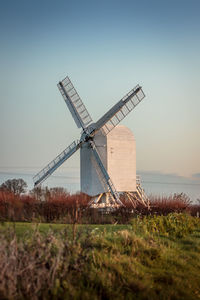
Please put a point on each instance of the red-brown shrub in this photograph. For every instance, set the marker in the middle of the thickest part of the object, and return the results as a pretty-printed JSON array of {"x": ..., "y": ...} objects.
[
  {"x": 57, "y": 205},
  {"x": 165, "y": 205}
]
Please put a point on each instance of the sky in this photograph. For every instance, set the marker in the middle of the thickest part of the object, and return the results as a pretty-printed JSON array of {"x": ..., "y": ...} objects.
[{"x": 106, "y": 48}]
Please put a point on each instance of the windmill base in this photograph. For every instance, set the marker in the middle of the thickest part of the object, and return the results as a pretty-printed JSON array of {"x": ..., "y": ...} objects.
[
  {"x": 131, "y": 200},
  {"x": 104, "y": 201},
  {"x": 135, "y": 199}
]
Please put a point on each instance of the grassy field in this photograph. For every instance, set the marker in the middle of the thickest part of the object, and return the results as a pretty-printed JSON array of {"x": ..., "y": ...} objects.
[
  {"x": 151, "y": 258},
  {"x": 23, "y": 229}
]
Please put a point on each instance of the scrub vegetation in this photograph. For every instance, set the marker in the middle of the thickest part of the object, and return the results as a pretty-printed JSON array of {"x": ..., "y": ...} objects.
[
  {"x": 56, "y": 205},
  {"x": 153, "y": 257}
]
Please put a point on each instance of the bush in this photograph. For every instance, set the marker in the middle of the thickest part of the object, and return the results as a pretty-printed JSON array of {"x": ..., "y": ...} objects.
[
  {"x": 58, "y": 206},
  {"x": 174, "y": 224},
  {"x": 165, "y": 205}
]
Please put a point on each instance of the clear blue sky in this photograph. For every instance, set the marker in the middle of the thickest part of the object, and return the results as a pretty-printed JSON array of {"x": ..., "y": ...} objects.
[{"x": 106, "y": 48}]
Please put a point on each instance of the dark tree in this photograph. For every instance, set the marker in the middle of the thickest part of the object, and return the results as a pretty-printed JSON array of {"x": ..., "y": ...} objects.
[
  {"x": 15, "y": 186},
  {"x": 39, "y": 193},
  {"x": 44, "y": 193}
]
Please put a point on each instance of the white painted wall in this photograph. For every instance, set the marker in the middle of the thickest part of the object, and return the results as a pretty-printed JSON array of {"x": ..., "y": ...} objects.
[
  {"x": 118, "y": 153},
  {"x": 121, "y": 157},
  {"x": 90, "y": 183}
]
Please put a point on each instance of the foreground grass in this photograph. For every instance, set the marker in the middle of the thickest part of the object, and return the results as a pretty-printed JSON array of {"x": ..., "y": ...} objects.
[{"x": 149, "y": 259}]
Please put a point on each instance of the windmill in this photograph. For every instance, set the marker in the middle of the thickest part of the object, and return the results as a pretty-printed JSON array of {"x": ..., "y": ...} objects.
[{"x": 93, "y": 145}]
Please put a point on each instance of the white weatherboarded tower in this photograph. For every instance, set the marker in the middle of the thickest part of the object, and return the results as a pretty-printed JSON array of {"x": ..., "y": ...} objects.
[
  {"x": 108, "y": 154},
  {"x": 118, "y": 154}
]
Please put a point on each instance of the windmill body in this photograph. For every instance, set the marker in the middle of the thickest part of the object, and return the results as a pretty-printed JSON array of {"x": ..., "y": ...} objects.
[
  {"x": 118, "y": 153},
  {"x": 90, "y": 181},
  {"x": 108, "y": 163}
]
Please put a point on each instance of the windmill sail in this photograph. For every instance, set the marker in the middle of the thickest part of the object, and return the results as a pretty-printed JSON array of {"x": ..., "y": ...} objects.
[
  {"x": 120, "y": 110},
  {"x": 54, "y": 164},
  {"x": 103, "y": 175},
  {"x": 74, "y": 103}
]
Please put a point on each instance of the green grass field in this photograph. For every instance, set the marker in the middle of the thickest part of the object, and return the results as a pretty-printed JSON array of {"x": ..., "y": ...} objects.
[
  {"x": 22, "y": 228},
  {"x": 152, "y": 258}
]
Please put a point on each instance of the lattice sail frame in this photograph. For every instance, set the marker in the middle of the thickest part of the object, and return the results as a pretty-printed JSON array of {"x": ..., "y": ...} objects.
[
  {"x": 55, "y": 163},
  {"x": 122, "y": 108},
  {"x": 78, "y": 110}
]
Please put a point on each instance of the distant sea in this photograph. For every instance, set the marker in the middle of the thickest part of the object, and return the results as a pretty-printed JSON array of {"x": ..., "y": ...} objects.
[
  {"x": 154, "y": 183},
  {"x": 157, "y": 183}
]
